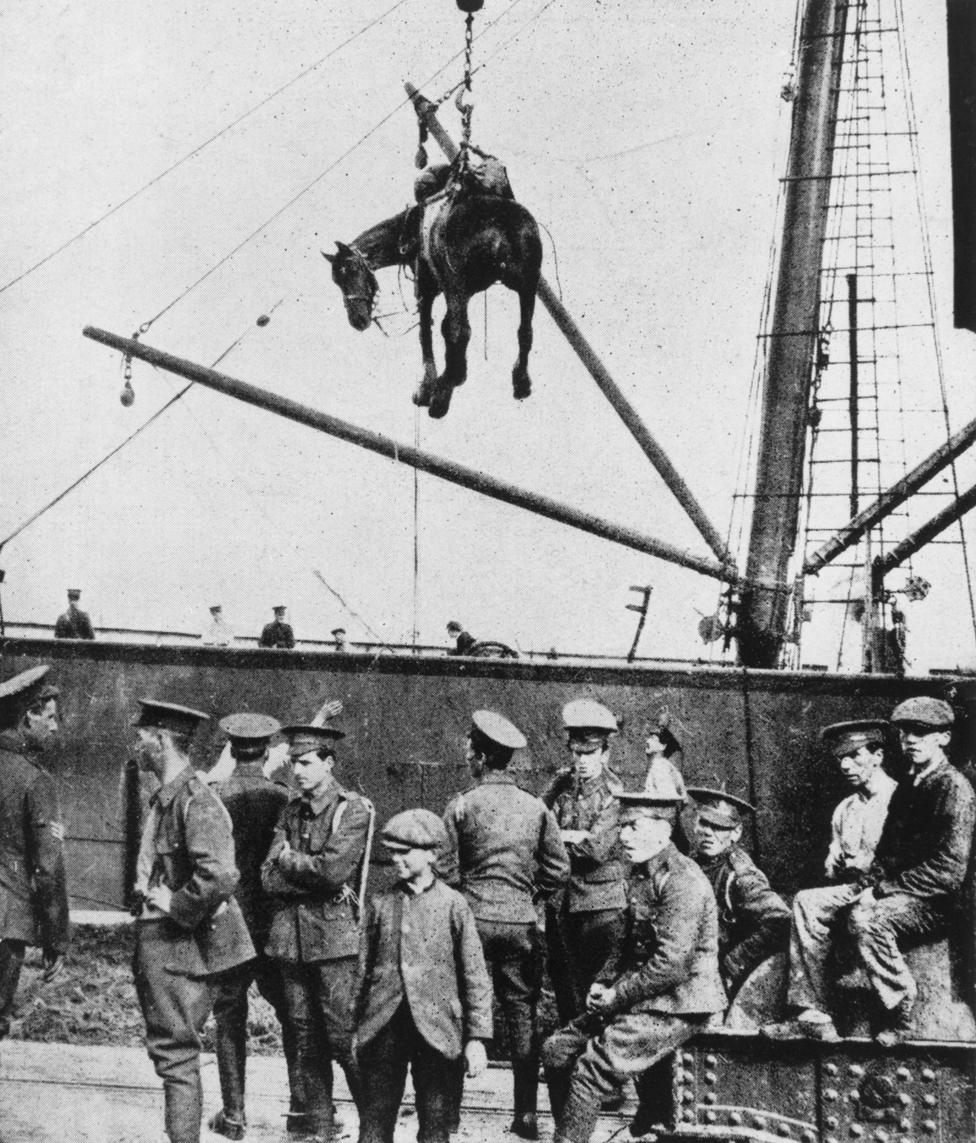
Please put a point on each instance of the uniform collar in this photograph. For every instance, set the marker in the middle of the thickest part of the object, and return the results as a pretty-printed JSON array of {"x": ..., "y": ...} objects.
[
  {"x": 331, "y": 793},
  {"x": 165, "y": 794},
  {"x": 12, "y": 740},
  {"x": 497, "y": 778},
  {"x": 658, "y": 861}
]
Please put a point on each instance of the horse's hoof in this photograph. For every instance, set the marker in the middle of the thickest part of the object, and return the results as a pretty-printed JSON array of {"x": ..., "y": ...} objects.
[
  {"x": 422, "y": 400},
  {"x": 437, "y": 410},
  {"x": 521, "y": 389}
]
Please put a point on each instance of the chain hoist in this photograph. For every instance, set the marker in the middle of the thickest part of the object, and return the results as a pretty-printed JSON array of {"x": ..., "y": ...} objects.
[{"x": 464, "y": 102}]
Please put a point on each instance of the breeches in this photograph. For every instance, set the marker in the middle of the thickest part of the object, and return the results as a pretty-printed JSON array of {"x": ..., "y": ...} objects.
[
  {"x": 512, "y": 958},
  {"x": 383, "y": 1065},
  {"x": 579, "y": 945},
  {"x": 175, "y": 1009}
]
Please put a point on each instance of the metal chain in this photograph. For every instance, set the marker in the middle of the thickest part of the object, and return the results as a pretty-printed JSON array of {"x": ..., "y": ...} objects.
[{"x": 464, "y": 105}]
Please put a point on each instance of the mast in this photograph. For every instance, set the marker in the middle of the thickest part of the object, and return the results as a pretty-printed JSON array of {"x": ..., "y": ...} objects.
[{"x": 792, "y": 338}]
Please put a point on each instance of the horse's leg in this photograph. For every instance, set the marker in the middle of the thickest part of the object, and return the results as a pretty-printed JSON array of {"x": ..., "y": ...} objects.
[
  {"x": 426, "y": 292},
  {"x": 457, "y": 334},
  {"x": 521, "y": 382}
]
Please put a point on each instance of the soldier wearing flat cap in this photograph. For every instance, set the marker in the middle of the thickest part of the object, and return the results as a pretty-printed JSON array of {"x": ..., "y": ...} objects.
[
  {"x": 254, "y": 804},
  {"x": 277, "y": 633},
  {"x": 73, "y": 623},
  {"x": 660, "y": 987},
  {"x": 857, "y": 749},
  {"x": 916, "y": 878},
  {"x": 584, "y": 922},
  {"x": 424, "y": 996},
  {"x": 505, "y": 852},
  {"x": 189, "y": 929},
  {"x": 314, "y": 871},
  {"x": 33, "y": 897},
  {"x": 753, "y": 920}
]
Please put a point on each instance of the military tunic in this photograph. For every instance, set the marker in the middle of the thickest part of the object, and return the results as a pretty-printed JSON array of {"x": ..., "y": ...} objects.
[
  {"x": 33, "y": 896},
  {"x": 277, "y": 634},
  {"x": 666, "y": 984},
  {"x": 753, "y": 920},
  {"x": 314, "y": 936},
  {"x": 73, "y": 624},
  {"x": 187, "y": 846},
  {"x": 584, "y": 922}
]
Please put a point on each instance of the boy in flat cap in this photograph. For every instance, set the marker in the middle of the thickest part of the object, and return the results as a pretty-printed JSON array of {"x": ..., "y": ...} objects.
[
  {"x": 659, "y": 988},
  {"x": 277, "y": 633},
  {"x": 504, "y": 852},
  {"x": 73, "y": 623},
  {"x": 424, "y": 996},
  {"x": 857, "y": 749},
  {"x": 254, "y": 804},
  {"x": 753, "y": 920},
  {"x": 584, "y": 922},
  {"x": 915, "y": 879},
  {"x": 189, "y": 928},
  {"x": 33, "y": 897},
  {"x": 312, "y": 871}
]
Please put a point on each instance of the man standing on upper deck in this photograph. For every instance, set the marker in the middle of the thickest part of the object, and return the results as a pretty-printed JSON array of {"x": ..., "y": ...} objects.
[
  {"x": 278, "y": 633},
  {"x": 920, "y": 863},
  {"x": 504, "y": 852},
  {"x": 73, "y": 623},
  {"x": 584, "y": 922},
  {"x": 189, "y": 929},
  {"x": 33, "y": 897}
]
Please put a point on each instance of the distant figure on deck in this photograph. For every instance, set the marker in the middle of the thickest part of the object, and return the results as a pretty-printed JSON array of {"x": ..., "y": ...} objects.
[
  {"x": 278, "y": 633},
  {"x": 339, "y": 638},
  {"x": 219, "y": 633},
  {"x": 74, "y": 623},
  {"x": 463, "y": 641}
]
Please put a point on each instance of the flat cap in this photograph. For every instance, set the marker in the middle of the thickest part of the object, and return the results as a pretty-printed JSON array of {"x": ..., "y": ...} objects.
[
  {"x": 582, "y": 715},
  {"x": 21, "y": 685},
  {"x": 719, "y": 807},
  {"x": 302, "y": 739},
  {"x": 249, "y": 727},
  {"x": 925, "y": 711},
  {"x": 414, "y": 829},
  {"x": 497, "y": 730},
  {"x": 168, "y": 716},
  {"x": 842, "y": 738}
]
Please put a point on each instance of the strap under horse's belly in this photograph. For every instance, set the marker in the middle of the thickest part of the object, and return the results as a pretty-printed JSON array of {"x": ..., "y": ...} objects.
[{"x": 433, "y": 210}]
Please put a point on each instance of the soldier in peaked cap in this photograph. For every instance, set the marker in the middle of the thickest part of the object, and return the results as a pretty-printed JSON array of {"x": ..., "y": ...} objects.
[
  {"x": 277, "y": 633},
  {"x": 254, "y": 804},
  {"x": 584, "y": 922},
  {"x": 314, "y": 871},
  {"x": 505, "y": 852},
  {"x": 753, "y": 920},
  {"x": 189, "y": 928},
  {"x": 657, "y": 990},
  {"x": 916, "y": 878},
  {"x": 33, "y": 896},
  {"x": 73, "y": 623},
  {"x": 424, "y": 997}
]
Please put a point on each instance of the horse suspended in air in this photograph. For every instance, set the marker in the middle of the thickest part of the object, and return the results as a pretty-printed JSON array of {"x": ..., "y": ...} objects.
[{"x": 459, "y": 240}]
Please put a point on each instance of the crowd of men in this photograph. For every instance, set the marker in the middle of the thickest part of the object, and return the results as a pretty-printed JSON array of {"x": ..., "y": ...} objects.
[{"x": 655, "y": 916}]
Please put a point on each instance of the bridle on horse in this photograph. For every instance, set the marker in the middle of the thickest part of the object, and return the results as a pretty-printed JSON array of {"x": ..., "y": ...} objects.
[{"x": 359, "y": 258}]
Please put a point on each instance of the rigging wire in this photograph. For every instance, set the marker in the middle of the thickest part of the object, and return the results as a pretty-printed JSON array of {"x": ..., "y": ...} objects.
[{"x": 197, "y": 150}]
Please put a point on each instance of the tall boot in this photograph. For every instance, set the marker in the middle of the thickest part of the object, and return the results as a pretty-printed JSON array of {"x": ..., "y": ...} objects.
[{"x": 525, "y": 1074}]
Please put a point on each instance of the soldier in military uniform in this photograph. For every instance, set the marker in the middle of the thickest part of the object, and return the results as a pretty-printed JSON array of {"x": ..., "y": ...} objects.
[
  {"x": 73, "y": 623},
  {"x": 753, "y": 920},
  {"x": 254, "y": 804},
  {"x": 33, "y": 898},
  {"x": 277, "y": 633},
  {"x": 189, "y": 929},
  {"x": 584, "y": 922},
  {"x": 659, "y": 988},
  {"x": 313, "y": 871},
  {"x": 504, "y": 852}
]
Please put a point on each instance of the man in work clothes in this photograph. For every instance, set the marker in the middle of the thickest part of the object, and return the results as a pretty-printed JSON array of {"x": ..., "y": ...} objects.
[
  {"x": 920, "y": 864},
  {"x": 254, "y": 804},
  {"x": 857, "y": 749},
  {"x": 313, "y": 872},
  {"x": 504, "y": 851},
  {"x": 33, "y": 898},
  {"x": 73, "y": 623},
  {"x": 277, "y": 633},
  {"x": 753, "y": 920},
  {"x": 655, "y": 992},
  {"x": 584, "y": 922},
  {"x": 189, "y": 929}
]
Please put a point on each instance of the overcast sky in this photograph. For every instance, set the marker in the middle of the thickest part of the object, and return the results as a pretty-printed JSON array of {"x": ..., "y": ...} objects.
[{"x": 646, "y": 138}]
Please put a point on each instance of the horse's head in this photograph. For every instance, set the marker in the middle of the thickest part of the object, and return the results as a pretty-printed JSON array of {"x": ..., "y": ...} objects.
[{"x": 352, "y": 274}]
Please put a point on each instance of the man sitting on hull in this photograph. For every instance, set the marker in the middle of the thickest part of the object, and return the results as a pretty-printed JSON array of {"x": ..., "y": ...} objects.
[{"x": 659, "y": 988}]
